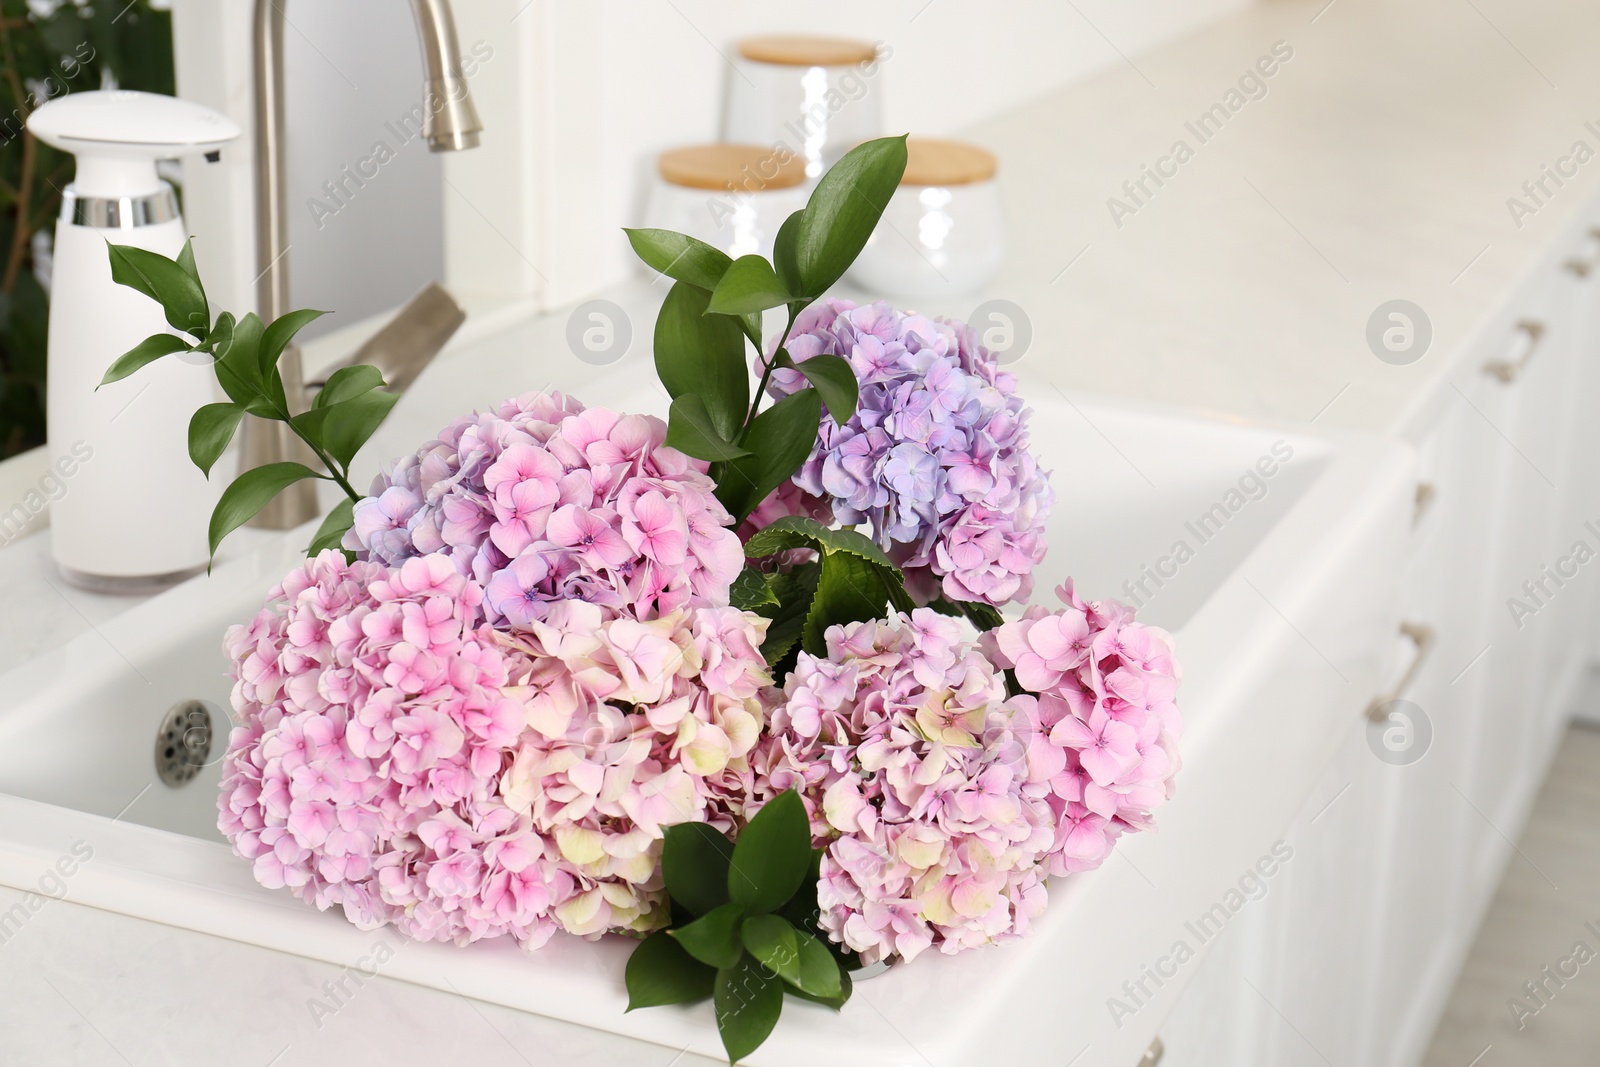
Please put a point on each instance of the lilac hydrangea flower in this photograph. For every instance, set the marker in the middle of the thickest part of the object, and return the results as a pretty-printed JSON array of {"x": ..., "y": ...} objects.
[
  {"x": 936, "y": 456},
  {"x": 543, "y": 501}
]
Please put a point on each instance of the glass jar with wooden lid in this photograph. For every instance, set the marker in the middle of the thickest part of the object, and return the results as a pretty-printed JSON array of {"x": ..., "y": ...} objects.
[{"x": 731, "y": 196}]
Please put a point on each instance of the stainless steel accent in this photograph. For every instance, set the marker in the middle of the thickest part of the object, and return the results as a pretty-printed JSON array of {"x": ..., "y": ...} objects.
[
  {"x": 183, "y": 742},
  {"x": 408, "y": 342},
  {"x": 1426, "y": 495},
  {"x": 126, "y": 584},
  {"x": 451, "y": 124},
  {"x": 1153, "y": 1054},
  {"x": 1529, "y": 333},
  {"x": 1422, "y": 638},
  {"x": 120, "y": 212}
]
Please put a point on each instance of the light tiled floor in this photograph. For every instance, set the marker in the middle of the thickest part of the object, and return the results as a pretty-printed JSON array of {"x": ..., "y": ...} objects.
[{"x": 1531, "y": 925}]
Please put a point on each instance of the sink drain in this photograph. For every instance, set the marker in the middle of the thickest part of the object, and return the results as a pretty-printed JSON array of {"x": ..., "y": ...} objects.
[{"x": 184, "y": 742}]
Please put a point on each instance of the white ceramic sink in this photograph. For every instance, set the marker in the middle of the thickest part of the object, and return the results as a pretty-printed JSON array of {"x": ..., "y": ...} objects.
[{"x": 1282, "y": 612}]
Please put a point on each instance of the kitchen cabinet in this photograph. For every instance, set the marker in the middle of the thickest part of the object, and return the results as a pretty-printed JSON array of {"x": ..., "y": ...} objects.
[{"x": 1352, "y": 954}]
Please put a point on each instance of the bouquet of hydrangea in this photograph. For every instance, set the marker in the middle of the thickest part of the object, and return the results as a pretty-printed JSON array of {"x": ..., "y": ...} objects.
[{"x": 736, "y": 684}]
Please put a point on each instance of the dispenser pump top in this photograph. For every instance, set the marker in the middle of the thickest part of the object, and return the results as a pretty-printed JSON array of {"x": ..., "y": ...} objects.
[{"x": 117, "y": 136}]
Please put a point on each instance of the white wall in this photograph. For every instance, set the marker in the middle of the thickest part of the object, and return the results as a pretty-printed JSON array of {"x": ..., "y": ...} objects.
[{"x": 576, "y": 101}]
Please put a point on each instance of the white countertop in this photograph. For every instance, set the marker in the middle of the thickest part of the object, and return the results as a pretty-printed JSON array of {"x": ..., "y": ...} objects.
[{"x": 1377, "y": 166}]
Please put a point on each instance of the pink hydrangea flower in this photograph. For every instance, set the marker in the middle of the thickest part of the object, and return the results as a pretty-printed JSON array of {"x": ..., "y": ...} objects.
[
  {"x": 398, "y": 756},
  {"x": 904, "y": 749},
  {"x": 543, "y": 501},
  {"x": 1103, "y": 727}
]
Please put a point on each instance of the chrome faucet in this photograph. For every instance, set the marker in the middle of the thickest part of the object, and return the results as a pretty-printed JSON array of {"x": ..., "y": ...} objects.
[{"x": 449, "y": 125}]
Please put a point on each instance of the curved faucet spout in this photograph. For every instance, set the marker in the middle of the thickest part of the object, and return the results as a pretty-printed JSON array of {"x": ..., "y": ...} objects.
[{"x": 450, "y": 124}]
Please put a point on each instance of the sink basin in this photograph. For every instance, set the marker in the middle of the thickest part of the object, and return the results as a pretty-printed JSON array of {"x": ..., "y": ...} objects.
[{"x": 1271, "y": 553}]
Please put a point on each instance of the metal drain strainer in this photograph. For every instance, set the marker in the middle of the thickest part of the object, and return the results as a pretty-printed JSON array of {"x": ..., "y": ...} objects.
[{"x": 183, "y": 742}]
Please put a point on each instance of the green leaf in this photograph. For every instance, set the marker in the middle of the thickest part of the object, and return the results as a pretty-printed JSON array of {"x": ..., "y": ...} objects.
[
  {"x": 249, "y": 493},
  {"x": 834, "y": 1002},
  {"x": 704, "y": 354},
  {"x": 783, "y": 254},
  {"x": 779, "y": 440},
  {"x": 799, "y": 531},
  {"x": 694, "y": 865},
  {"x": 186, "y": 261},
  {"x": 281, "y": 332},
  {"x": 751, "y": 591},
  {"x": 714, "y": 937},
  {"x": 836, "y": 381},
  {"x": 794, "y": 589},
  {"x": 661, "y": 972},
  {"x": 842, "y": 212},
  {"x": 145, "y": 352},
  {"x": 772, "y": 855},
  {"x": 346, "y": 383},
  {"x": 820, "y": 973},
  {"x": 690, "y": 430},
  {"x": 679, "y": 256},
  {"x": 210, "y": 430},
  {"x": 748, "y": 287},
  {"x": 773, "y": 942},
  {"x": 236, "y": 366},
  {"x": 849, "y": 590},
  {"x": 748, "y": 1000},
  {"x": 332, "y": 530},
  {"x": 341, "y": 429},
  {"x": 165, "y": 282},
  {"x": 221, "y": 334}
]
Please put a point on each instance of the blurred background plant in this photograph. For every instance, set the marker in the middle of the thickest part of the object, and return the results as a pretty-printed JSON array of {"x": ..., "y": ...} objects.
[{"x": 49, "y": 48}]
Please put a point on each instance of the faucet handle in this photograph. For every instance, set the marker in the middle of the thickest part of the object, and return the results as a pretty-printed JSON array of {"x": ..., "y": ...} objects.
[{"x": 408, "y": 342}]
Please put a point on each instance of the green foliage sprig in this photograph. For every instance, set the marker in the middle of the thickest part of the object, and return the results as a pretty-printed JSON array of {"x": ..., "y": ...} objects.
[
  {"x": 245, "y": 354},
  {"x": 744, "y": 930},
  {"x": 714, "y": 307}
]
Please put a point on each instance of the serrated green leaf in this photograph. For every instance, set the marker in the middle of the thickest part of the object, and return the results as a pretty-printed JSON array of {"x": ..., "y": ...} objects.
[
  {"x": 794, "y": 589},
  {"x": 843, "y": 211},
  {"x": 277, "y": 336},
  {"x": 679, "y": 256},
  {"x": 694, "y": 866},
  {"x": 800, "y": 531},
  {"x": 836, "y": 381},
  {"x": 249, "y": 493},
  {"x": 748, "y": 1000},
  {"x": 331, "y": 533},
  {"x": 772, "y": 855},
  {"x": 749, "y": 286},
  {"x": 714, "y": 937},
  {"x": 164, "y": 281},
  {"x": 660, "y": 972},
  {"x": 774, "y": 944},
  {"x": 143, "y": 354},
  {"x": 703, "y": 354},
  {"x": 850, "y": 589},
  {"x": 750, "y": 591},
  {"x": 690, "y": 431},
  {"x": 346, "y": 383},
  {"x": 210, "y": 430},
  {"x": 779, "y": 440}
]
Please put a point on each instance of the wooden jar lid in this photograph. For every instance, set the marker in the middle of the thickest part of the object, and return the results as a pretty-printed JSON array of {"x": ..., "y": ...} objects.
[
  {"x": 744, "y": 167},
  {"x": 932, "y": 162},
  {"x": 795, "y": 50}
]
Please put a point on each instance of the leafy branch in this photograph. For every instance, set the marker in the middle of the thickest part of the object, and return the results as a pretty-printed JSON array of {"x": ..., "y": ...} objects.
[
  {"x": 744, "y": 930},
  {"x": 245, "y": 354}
]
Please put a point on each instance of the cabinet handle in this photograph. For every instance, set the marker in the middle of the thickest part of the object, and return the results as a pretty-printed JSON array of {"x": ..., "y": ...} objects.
[
  {"x": 1508, "y": 369},
  {"x": 1422, "y": 639},
  {"x": 1426, "y": 494},
  {"x": 1584, "y": 267},
  {"x": 1153, "y": 1054}
]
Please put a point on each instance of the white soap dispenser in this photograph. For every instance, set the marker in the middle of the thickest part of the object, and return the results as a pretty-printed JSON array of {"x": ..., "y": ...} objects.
[{"x": 134, "y": 515}]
